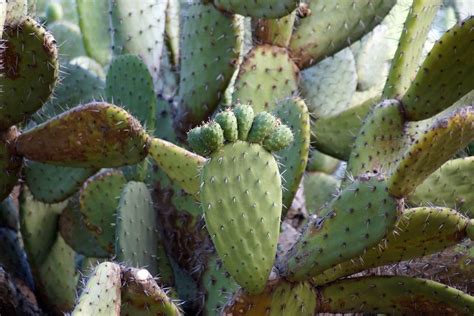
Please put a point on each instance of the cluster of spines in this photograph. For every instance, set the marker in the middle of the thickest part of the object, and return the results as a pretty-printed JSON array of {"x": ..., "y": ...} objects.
[{"x": 240, "y": 123}]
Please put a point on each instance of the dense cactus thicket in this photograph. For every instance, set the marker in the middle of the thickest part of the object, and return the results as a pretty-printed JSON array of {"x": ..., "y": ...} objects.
[{"x": 224, "y": 157}]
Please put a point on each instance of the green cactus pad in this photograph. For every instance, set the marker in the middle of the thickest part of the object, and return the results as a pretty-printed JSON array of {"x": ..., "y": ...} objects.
[
  {"x": 245, "y": 115},
  {"x": 228, "y": 122},
  {"x": 319, "y": 189},
  {"x": 38, "y": 226},
  {"x": 319, "y": 162},
  {"x": 138, "y": 29},
  {"x": 57, "y": 277},
  {"x": 141, "y": 295},
  {"x": 445, "y": 75},
  {"x": 241, "y": 198},
  {"x": 451, "y": 186},
  {"x": 89, "y": 64},
  {"x": 53, "y": 184},
  {"x": 68, "y": 38},
  {"x": 413, "y": 236},
  {"x": 275, "y": 31},
  {"x": 30, "y": 53},
  {"x": 293, "y": 159},
  {"x": 380, "y": 140},
  {"x": 130, "y": 85},
  {"x": 329, "y": 85},
  {"x": 101, "y": 295},
  {"x": 179, "y": 164},
  {"x": 93, "y": 135},
  {"x": 258, "y": 9},
  {"x": 410, "y": 47},
  {"x": 99, "y": 199},
  {"x": 13, "y": 258},
  {"x": 432, "y": 147},
  {"x": 334, "y": 135},
  {"x": 333, "y": 26},
  {"x": 94, "y": 23},
  {"x": 76, "y": 234},
  {"x": 279, "y": 299},
  {"x": 196, "y": 142},
  {"x": 263, "y": 125},
  {"x": 266, "y": 76},
  {"x": 209, "y": 52},
  {"x": 10, "y": 163},
  {"x": 78, "y": 86},
  {"x": 218, "y": 286},
  {"x": 137, "y": 233},
  {"x": 358, "y": 218},
  {"x": 395, "y": 295}
]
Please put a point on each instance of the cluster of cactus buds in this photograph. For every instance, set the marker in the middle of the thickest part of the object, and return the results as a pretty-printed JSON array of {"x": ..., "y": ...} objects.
[{"x": 223, "y": 157}]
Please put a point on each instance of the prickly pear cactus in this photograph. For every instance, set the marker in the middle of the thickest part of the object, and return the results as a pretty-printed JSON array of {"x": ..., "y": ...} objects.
[{"x": 224, "y": 157}]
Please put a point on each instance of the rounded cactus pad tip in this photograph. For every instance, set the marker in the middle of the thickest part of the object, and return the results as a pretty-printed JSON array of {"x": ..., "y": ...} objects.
[{"x": 240, "y": 123}]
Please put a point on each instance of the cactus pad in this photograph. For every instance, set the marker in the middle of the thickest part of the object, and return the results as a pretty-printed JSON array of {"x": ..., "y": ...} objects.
[
  {"x": 394, "y": 295},
  {"x": 53, "y": 184},
  {"x": 137, "y": 235},
  {"x": 94, "y": 22},
  {"x": 433, "y": 146},
  {"x": 241, "y": 197},
  {"x": 10, "y": 164},
  {"x": 445, "y": 75},
  {"x": 93, "y": 135},
  {"x": 210, "y": 49},
  {"x": 141, "y": 295},
  {"x": 138, "y": 28},
  {"x": 293, "y": 159},
  {"x": 333, "y": 26},
  {"x": 266, "y": 76},
  {"x": 412, "y": 237},
  {"x": 99, "y": 199},
  {"x": 101, "y": 295},
  {"x": 357, "y": 219},
  {"x": 179, "y": 164},
  {"x": 410, "y": 47},
  {"x": 451, "y": 185},
  {"x": 30, "y": 53},
  {"x": 130, "y": 85}
]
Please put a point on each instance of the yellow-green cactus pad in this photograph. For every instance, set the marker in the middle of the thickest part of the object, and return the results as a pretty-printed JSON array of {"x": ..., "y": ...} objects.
[
  {"x": 101, "y": 295},
  {"x": 179, "y": 164},
  {"x": 242, "y": 201},
  {"x": 96, "y": 135},
  {"x": 410, "y": 47},
  {"x": 445, "y": 76},
  {"x": 266, "y": 76},
  {"x": 432, "y": 147},
  {"x": 451, "y": 186},
  {"x": 29, "y": 73}
]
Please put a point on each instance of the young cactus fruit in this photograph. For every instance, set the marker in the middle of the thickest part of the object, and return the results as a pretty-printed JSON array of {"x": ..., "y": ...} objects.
[{"x": 241, "y": 191}]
